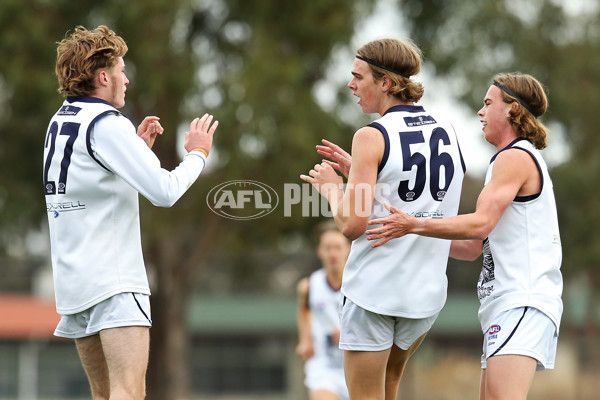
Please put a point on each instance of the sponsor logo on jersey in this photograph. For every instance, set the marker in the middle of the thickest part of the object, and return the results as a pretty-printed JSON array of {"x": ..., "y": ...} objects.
[
  {"x": 242, "y": 199},
  {"x": 427, "y": 214},
  {"x": 69, "y": 110},
  {"x": 57, "y": 208},
  {"x": 419, "y": 121}
]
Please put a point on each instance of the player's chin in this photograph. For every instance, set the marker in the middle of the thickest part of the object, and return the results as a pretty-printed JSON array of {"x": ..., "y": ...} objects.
[{"x": 365, "y": 109}]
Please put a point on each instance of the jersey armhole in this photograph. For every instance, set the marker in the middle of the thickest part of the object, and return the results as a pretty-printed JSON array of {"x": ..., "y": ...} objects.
[
  {"x": 462, "y": 160},
  {"x": 88, "y": 137},
  {"x": 523, "y": 199},
  {"x": 386, "y": 151}
]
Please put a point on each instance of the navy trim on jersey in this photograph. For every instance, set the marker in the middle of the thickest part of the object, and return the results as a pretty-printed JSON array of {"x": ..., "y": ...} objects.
[
  {"x": 386, "y": 138},
  {"x": 406, "y": 108},
  {"x": 386, "y": 152},
  {"x": 88, "y": 136},
  {"x": 511, "y": 334},
  {"x": 462, "y": 160},
  {"x": 524, "y": 199},
  {"x": 508, "y": 147},
  {"x": 87, "y": 99}
]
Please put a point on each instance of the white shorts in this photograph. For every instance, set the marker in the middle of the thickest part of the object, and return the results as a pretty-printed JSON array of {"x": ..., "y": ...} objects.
[
  {"x": 523, "y": 331},
  {"x": 363, "y": 330},
  {"x": 123, "y": 309},
  {"x": 321, "y": 376}
]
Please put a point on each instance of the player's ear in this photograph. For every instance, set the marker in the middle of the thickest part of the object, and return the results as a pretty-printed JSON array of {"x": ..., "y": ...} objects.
[
  {"x": 514, "y": 108},
  {"x": 102, "y": 78},
  {"x": 386, "y": 83}
]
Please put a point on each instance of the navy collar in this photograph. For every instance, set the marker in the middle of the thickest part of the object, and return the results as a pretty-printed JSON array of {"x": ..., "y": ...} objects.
[
  {"x": 406, "y": 108},
  {"x": 87, "y": 99},
  {"x": 510, "y": 145}
]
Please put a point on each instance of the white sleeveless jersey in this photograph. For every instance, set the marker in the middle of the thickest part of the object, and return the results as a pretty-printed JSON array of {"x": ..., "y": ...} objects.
[
  {"x": 421, "y": 173},
  {"x": 94, "y": 167},
  {"x": 323, "y": 302},
  {"x": 522, "y": 254}
]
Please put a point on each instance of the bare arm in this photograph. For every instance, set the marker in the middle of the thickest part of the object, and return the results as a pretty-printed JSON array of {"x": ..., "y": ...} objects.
[
  {"x": 305, "y": 348},
  {"x": 513, "y": 171},
  {"x": 466, "y": 249},
  {"x": 351, "y": 208},
  {"x": 335, "y": 337}
]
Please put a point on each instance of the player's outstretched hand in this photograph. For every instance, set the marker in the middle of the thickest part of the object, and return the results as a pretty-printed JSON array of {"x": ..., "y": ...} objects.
[
  {"x": 200, "y": 135},
  {"x": 395, "y": 225},
  {"x": 323, "y": 178},
  {"x": 339, "y": 159},
  {"x": 148, "y": 129}
]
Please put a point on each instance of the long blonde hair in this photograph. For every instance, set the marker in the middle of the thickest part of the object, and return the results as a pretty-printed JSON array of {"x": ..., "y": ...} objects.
[
  {"x": 525, "y": 120},
  {"x": 403, "y": 57}
]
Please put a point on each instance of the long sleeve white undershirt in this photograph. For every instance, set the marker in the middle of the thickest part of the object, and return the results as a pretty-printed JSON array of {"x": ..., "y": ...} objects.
[{"x": 116, "y": 145}]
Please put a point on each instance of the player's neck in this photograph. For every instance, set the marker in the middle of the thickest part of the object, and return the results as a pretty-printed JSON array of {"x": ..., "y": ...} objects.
[
  {"x": 509, "y": 137},
  {"x": 334, "y": 279},
  {"x": 391, "y": 101}
]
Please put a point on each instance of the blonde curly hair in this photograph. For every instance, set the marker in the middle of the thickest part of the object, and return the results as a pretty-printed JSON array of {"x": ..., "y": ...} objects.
[{"x": 81, "y": 54}]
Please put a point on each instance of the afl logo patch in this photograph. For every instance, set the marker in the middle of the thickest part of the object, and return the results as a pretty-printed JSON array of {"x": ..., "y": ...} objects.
[{"x": 494, "y": 329}]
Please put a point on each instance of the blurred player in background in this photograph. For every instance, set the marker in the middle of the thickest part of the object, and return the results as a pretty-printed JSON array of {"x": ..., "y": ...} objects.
[
  {"x": 409, "y": 158},
  {"x": 318, "y": 317},
  {"x": 515, "y": 225},
  {"x": 95, "y": 165}
]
